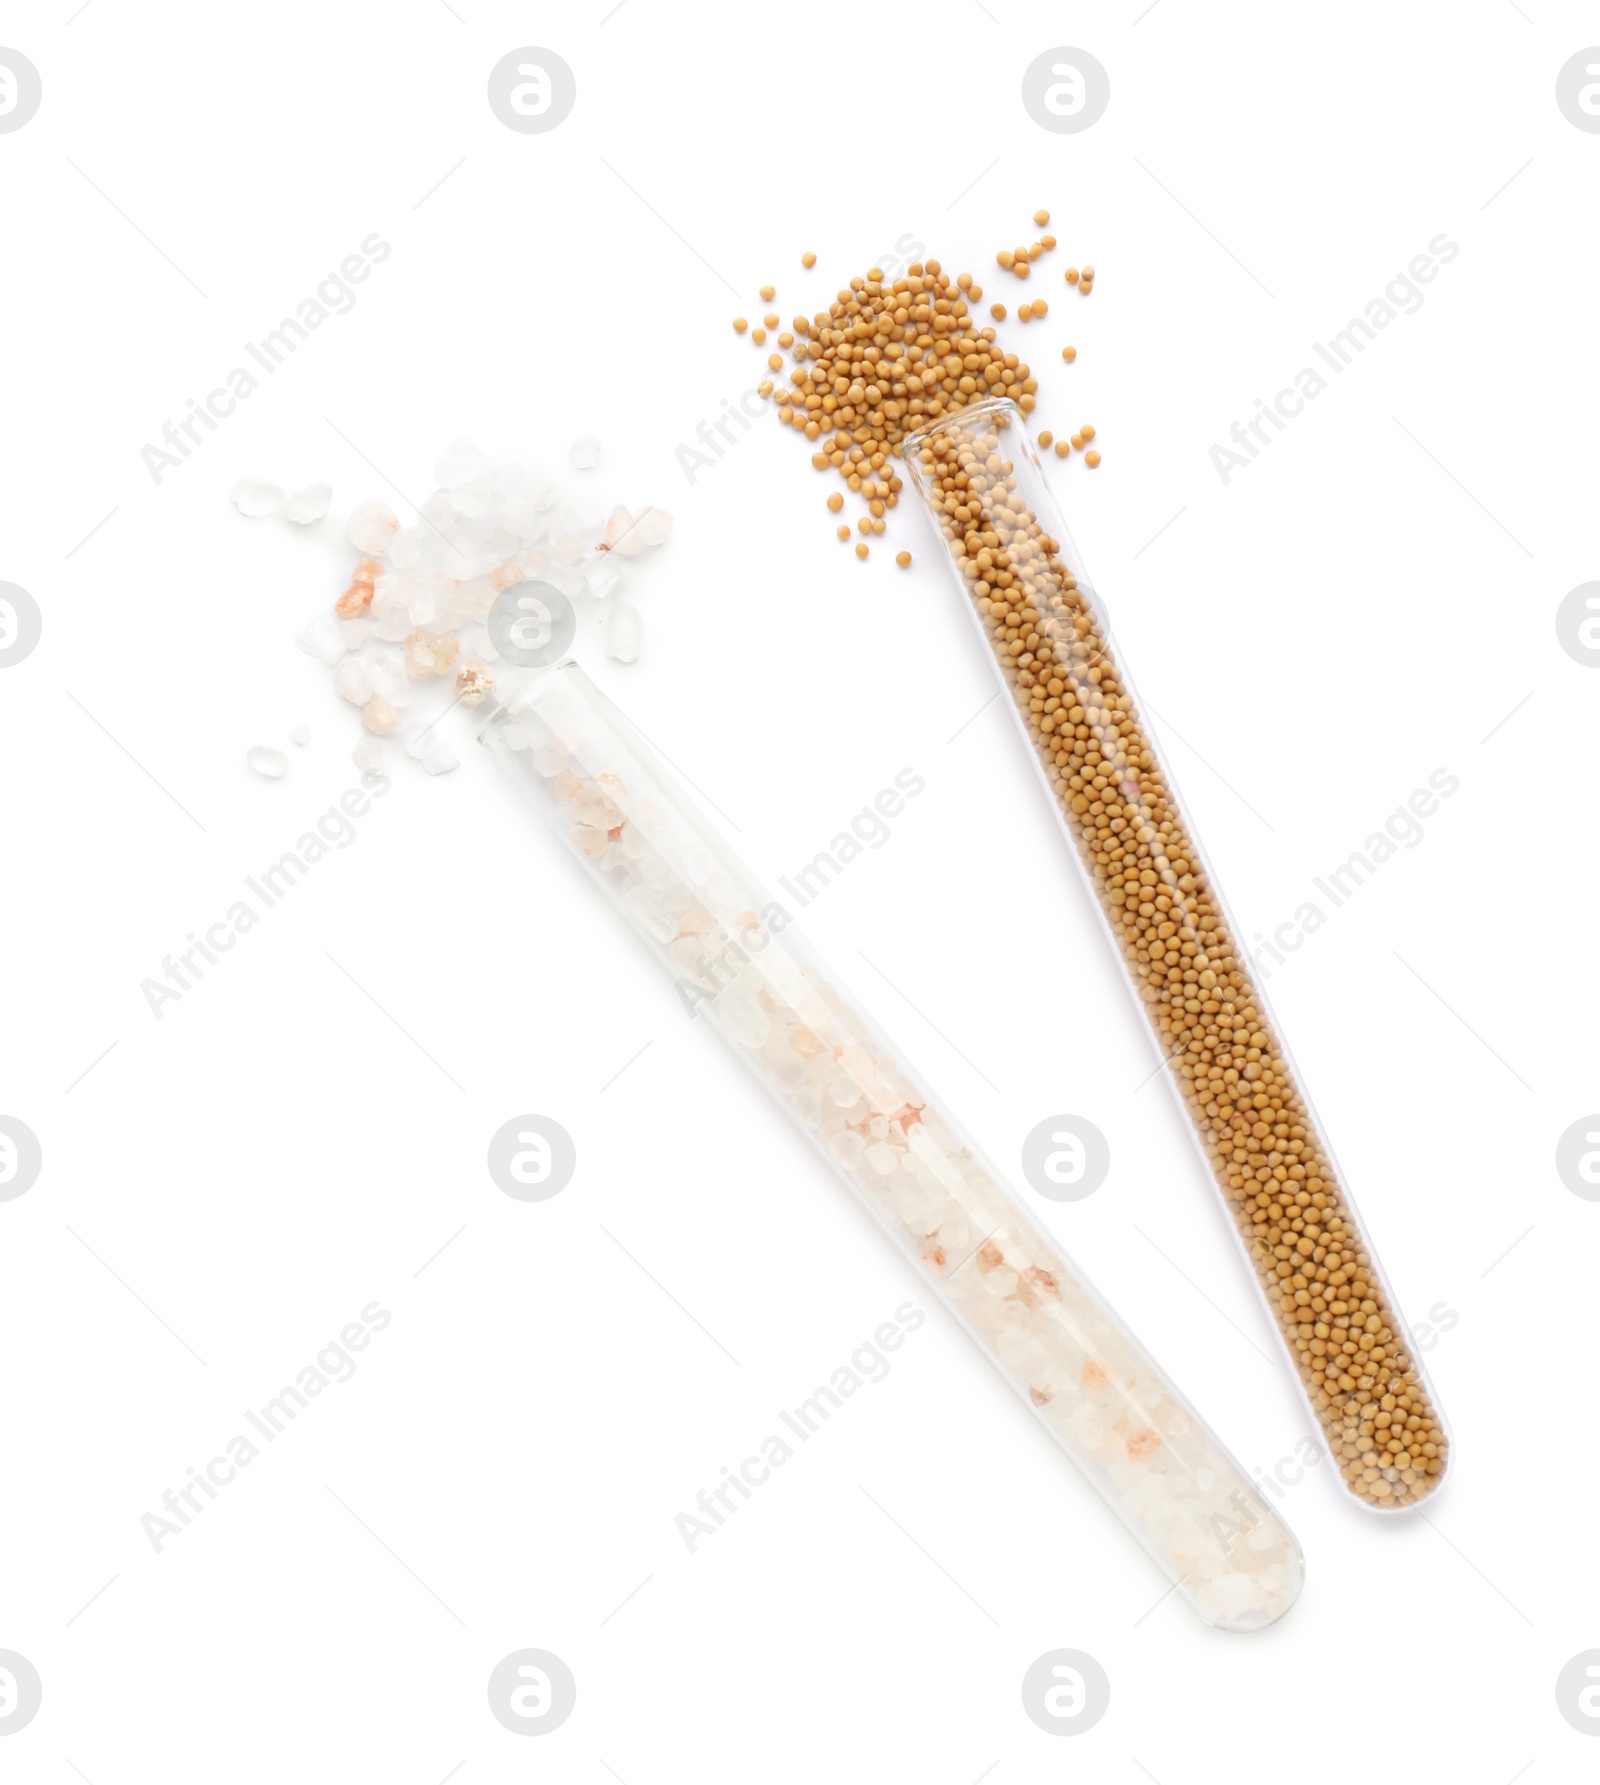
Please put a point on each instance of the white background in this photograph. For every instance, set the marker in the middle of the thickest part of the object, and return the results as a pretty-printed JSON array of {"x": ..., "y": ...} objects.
[{"x": 1365, "y": 604}]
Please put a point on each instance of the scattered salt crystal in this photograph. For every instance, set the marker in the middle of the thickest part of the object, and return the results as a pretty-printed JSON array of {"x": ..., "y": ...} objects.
[
  {"x": 351, "y": 682},
  {"x": 254, "y": 497},
  {"x": 300, "y": 735},
  {"x": 319, "y": 638},
  {"x": 309, "y": 504},
  {"x": 440, "y": 759},
  {"x": 368, "y": 756},
  {"x": 355, "y": 633},
  {"x": 600, "y": 576},
  {"x": 405, "y": 549},
  {"x": 473, "y": 682},
  {"x": 371, "y": 527},
  {"x": 378, "y": 716},
  {"x": 654, "y": 526},
  {"x": 624, "y": 633},
  {"x": 266, "y": 761},
  {"x": 585, "y": 453},
  {"x": 386, "y": 670},
  {"x": 461, "y": 463},
  {"x": 619, "y": 523},
  {"x": 477, "y": 645}
]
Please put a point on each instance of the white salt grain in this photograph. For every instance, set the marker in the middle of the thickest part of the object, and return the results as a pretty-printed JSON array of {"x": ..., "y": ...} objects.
[
  {"x": 254, "y": 497},
  {"x": 319, "y": 638},
  {"x": 266, "y": 761},
  {"x": 585, "y": 452},
  {"x": 309, "y": 504},
  {"x": 371, "y": 526}
]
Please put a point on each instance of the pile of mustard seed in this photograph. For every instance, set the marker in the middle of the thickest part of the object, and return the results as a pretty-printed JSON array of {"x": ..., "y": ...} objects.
[
  {"x": 888, "y": 357},
  {"x": 1235, "y": 1079}
]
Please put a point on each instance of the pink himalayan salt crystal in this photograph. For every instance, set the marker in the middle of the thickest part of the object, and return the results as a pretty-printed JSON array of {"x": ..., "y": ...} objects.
[
  {"x": 430, "y": 654},
  {"x": 378, "y": 716},
  {"x": 591, "y": 840},
  {"x": 473, "y": 681},
  {"x": 358, "y": 597},
  {"x": 506, "y": 576}
]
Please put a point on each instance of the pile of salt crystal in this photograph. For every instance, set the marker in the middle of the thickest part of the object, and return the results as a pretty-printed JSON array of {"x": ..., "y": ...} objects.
[{"x": 420, "y": 595}]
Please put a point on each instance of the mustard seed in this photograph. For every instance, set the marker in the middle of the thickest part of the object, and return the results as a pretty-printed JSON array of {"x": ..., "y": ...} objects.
[
  {"x": 836, "y": 501},
  {"x": 739, "y": 325},
  {"x": 862, "y": 549},
  {"x": 1041, "y": 218},
  {"x": 1348, "y": 1343},
  {"x": 808, "y": 259},
  {"x": 1069, "y": 354},
  {"x": 903, "y": 559},
  {"x": 1091, "y": 459},
  {"x": 769, "y": 292}
]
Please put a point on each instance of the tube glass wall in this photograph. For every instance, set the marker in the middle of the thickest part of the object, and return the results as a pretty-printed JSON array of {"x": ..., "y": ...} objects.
[
  {"x": 1047, "y": 636},
  {"x": 743, "y": 969}
]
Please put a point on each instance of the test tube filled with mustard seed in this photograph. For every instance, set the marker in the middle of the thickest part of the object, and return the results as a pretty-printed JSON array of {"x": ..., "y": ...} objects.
[
  {"x": 1047, "y": 636},
  {"x": 741, "y": 965}
]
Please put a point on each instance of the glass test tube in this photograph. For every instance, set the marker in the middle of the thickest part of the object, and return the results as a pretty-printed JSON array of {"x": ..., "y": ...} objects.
[
  {"x": 742, "y": 967},
  {"x": 1049, "y": 640}
]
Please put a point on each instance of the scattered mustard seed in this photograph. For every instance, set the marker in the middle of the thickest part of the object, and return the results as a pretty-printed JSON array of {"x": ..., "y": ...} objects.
[
  {"x": 862, "y": 549},
  {"x": 1041, "y": 218},
  {"x": 808, "y": 259},
  {"x": 903, "y": 559},
  {"x": 836, "y": 502},
  {"x": 769, "y": 292},
  {"x": 1069, "y": 354},
  {"x": 1091, "y": 459},
  {"x": 739, "y": 325}
]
